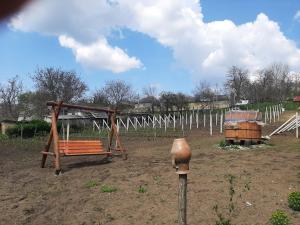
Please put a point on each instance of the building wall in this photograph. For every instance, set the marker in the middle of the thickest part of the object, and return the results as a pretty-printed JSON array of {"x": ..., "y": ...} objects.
[
  {"x": 5, "y": 126},
  {"x": 209, "y": 105}
]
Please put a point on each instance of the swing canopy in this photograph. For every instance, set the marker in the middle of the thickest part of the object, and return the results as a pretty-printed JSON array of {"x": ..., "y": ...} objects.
[{"x": 62, "y": 147}]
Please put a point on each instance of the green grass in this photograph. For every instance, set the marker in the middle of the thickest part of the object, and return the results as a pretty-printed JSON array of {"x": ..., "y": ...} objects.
[
  {"x": 108, "y": 189},
  {"x": 142, "y": 189},
  {"x": 91, "y": 184}
]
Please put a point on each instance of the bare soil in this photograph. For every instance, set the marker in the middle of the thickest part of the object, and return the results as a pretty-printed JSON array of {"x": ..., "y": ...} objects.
[{"x": 263, "y": 179}]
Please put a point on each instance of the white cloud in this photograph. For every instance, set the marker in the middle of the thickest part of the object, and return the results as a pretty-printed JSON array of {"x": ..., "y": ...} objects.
[
  {"x": 297, "y": 16},
  {"x": 100, "y": 55},
  {"x": 205, "y": 49}
]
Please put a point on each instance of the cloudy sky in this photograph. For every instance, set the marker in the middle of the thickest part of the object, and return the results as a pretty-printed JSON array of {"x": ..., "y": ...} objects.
[{"x": 170, "y": 44}]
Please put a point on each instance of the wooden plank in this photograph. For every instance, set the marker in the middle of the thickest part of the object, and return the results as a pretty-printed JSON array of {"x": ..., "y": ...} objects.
[
  {"x": 80, "y": 147},
  {"x": 81, "y": 150},
  {"x": 99, "y": 153},
  {"x": 76, "y": 141},
  {"x": 80, "y": 144},
  {"x": 83, "y": 145},
  {"x": 47, "y": 153},
  {"x": 88, "y": 108}
]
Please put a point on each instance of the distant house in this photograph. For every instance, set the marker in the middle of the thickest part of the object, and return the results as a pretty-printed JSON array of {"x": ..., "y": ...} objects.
[
  {"x": 22, "y": 117},
  {"x": 145, "y": 105},
  {"x": 219, "y": 102},
  {"x": 5, "y": 124},
  {"x": 242, "y": 102},
  {"x": 79, "y": 115},
  {"x": 296, "y": 99}
]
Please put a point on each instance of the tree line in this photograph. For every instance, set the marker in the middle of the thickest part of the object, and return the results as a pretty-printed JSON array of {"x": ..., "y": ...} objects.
[{"x": 273, "y": 84}]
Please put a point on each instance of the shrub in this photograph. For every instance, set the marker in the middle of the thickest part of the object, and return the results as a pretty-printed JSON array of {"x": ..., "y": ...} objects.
[
  {"x": 3, "y": 137},
  {"x": 29, "y": 130},
  {"x": 222, "y": 144},
  {"x": 279, "y": 218},
  {"x": 108, "y": 189},
  {"x": 294, "y": 200}
]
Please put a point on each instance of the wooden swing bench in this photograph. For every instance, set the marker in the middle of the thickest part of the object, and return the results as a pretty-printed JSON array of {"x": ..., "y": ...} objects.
[
  {"x": 81, "y": 147},
  {"x": 63, "y": 148}
]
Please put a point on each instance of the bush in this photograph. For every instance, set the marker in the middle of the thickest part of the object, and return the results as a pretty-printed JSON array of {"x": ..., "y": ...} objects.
[
  {"x": 29, "y": 130},
  {"x": 3, "y": 137},
  {"x": 222, "y": 143},
  {"x": 294, "y": 200},
  {"x": 279, "y": 218}
]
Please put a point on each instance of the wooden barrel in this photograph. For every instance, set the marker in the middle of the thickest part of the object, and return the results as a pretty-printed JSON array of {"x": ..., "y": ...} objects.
[{"x": 243, "y": 131}]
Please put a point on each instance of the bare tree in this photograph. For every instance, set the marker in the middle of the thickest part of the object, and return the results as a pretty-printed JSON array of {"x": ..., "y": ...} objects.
[
  {"x": 237, "y": 82},
  {"x": 150, "y": 94},
  {"x": 204, "y": 93},
  {"x": 100, "y": 98},
  {"x": 117, "y": 94},
  {"x": 167, "y": 101},
  {"x": 181, "y": 101},
  {"x": 56, "y": 84},
  {"x": 9, "y": 94},
  {"x": 274, "y": 79}
]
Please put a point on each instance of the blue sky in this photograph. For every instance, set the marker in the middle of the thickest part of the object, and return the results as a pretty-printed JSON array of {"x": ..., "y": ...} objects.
[{"x": 154, "y": 54}]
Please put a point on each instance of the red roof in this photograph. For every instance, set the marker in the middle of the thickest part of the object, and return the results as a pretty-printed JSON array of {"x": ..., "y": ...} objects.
[{"x": 296, "y": 99}]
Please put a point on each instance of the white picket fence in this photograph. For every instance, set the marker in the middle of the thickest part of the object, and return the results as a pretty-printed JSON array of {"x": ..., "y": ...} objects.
[{"x": 194, "y": 119}]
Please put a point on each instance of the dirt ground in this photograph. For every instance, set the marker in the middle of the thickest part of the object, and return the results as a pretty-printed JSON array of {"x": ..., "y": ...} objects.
[{"x": 263, "y": 179}]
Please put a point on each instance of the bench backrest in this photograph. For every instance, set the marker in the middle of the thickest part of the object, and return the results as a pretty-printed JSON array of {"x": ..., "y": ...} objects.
[{"x": 80, "y": 147}]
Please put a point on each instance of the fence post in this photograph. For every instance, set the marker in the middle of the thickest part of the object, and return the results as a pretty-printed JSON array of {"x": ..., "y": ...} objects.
[
  {"x": 270, "y": 114},
  {"x": 186, "y": 120},
  {"x": 297, "y": 131},
  {"x": 174, "y": 121},
  {"x": 221, "y": 123},
  {"x": 210, "y": 124}
]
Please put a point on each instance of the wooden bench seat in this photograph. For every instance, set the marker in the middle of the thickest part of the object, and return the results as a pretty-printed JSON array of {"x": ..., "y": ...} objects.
[{"x": 81, "y": 147}]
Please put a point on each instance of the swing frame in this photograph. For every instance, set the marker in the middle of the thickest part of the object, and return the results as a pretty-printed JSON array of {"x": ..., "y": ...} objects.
[{"x": 54, "y": 137}]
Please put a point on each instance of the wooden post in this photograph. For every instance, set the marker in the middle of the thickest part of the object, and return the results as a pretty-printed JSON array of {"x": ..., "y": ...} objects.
[
  {"x": 180, "y": 118},
  {"x": 191, "y": 121},
  {"x": 47, "y": 147},
  {"x": 55, "y": 141},
  {"x": 210, "y": 124},
  {"x": 174, "y": 121},
  {"x": 165, "y": 121},
  {"x": 182, "y": 199},
  {"x": 297, "y": 120},
  {"x": 204, "y": 119},
  {"x": 197, "y": 120},
  {"x": 181, "y": 155},
  {"x": 266, "y": 116},
  {"x": 186, "y": 120},
  {"x": 221, "y": 123},
  {"x": 68, "y": 130},
  {"x": 182, "y": 125}
]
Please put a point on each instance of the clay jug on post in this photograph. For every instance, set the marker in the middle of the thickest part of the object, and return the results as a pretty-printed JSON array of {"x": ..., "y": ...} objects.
[{"x": 181, "y": 155}]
